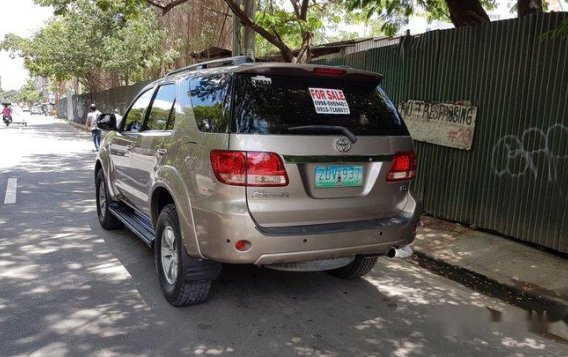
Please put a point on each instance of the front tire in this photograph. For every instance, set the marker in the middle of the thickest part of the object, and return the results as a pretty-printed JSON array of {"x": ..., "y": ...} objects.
[
  {"x": 107, "y": 220},
  {"x": 356, "y": 269},
  {"x": 172, "y": 261}
]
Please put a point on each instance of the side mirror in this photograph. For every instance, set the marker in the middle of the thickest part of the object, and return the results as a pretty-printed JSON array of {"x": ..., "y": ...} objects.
[{"x": 106, "y": 122}]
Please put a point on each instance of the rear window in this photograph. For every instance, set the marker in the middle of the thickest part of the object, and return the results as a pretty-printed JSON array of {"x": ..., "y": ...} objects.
[{"x": 275, "y": 104}]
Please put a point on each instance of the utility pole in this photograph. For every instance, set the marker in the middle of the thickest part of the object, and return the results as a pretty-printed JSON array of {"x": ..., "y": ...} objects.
[
  {"x": 250, "y": 10},
  {"x": 237, "y": 32}
]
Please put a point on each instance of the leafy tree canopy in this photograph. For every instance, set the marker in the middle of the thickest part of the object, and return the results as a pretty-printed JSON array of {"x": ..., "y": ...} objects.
[
  {"x": 396, "y": 13},
  {"x": 28, "y": 94},
  {"x": 87, "y": 39}
]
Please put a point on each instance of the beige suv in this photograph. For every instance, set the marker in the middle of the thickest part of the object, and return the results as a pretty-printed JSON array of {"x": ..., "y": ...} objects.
[{"x": 286, "y": 166}]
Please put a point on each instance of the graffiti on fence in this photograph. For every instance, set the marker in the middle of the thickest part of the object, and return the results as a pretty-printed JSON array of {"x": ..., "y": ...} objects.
[{"x": 535, "y": 152}]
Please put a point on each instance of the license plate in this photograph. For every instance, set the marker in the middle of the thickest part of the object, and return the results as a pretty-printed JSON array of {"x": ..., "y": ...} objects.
[{"x": 330, "y": 176}]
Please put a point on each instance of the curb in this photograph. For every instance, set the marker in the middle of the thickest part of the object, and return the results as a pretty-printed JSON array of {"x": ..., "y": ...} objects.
[
  {"x": 530, "y": 300},
  {"x": 77, "y": 125}
]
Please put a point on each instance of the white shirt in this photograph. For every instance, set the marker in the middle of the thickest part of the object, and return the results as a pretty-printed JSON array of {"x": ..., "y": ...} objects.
[{"x": 92, "y": 119}]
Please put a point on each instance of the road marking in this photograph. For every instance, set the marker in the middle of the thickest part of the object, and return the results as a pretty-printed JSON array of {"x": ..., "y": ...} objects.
[{"x": 11, "y": 190}]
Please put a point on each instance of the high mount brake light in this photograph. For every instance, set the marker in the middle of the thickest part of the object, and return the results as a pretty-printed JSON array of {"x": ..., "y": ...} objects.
[
  {"x": 246, "y": 168},
  {"x": 403, "y": 167},
  {"x": 324, "y": 71}
]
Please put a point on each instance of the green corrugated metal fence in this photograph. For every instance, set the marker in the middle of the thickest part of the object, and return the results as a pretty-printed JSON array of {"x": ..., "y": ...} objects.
[{"x": 515, "y": 178}]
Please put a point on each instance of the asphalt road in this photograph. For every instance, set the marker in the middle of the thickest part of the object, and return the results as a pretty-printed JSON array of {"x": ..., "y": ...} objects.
[{"x": 68, "y": 287}]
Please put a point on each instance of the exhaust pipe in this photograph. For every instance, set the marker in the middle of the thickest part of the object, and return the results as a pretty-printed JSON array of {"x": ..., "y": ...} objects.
[{"x": 402, "y": 252}]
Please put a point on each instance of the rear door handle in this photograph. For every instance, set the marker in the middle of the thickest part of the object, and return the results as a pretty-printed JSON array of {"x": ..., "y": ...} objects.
[{"x": 161, "y": 151}]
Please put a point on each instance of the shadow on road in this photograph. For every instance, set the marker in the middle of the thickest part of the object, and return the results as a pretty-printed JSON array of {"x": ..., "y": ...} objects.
[{"x": 68, "y": 287}]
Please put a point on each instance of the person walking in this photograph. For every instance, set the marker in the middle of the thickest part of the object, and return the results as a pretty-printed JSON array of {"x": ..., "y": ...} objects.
[{"x": 91, "y": 123}]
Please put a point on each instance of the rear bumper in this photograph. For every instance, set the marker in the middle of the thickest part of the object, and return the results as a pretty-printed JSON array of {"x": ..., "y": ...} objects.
[{"x": 220, "y": 232}]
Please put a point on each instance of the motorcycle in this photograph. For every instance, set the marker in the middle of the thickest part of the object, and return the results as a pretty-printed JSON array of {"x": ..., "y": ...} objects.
[{"x": 7, "y": 119}]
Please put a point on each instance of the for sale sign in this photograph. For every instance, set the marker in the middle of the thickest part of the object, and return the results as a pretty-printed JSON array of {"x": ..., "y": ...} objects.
[{"x": 329, "y": 101}]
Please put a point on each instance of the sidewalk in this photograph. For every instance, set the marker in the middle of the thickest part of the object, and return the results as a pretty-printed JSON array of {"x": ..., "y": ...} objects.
[{"x": 521, "y": 270}]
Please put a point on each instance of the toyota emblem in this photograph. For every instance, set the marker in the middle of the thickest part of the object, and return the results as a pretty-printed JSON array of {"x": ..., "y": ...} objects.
[{"x": 343, "y": 145}]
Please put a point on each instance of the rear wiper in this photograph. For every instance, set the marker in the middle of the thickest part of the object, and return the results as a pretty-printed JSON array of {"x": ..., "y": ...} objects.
[{"x": 331, "y": 128}]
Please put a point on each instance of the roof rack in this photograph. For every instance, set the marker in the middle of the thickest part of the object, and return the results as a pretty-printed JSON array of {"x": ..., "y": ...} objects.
[{"x": 223, "y": 62}]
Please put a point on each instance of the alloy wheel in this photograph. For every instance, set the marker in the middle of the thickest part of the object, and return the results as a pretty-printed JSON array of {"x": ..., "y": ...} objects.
[
  {"x": 102, "y": 199},
  {"x": 169, "y": 255}
]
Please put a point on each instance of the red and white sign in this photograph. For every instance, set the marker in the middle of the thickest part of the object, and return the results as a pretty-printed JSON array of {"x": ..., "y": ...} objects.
[{"x": 329, "y": 101}]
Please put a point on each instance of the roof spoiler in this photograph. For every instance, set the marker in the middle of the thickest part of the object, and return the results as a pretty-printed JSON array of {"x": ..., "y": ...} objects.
[
  {"x": 223, "y": 62},
  {"x": 289, "y": 69}
]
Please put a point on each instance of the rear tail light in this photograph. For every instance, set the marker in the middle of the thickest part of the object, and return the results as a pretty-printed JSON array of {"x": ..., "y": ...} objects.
[
  {"x": 324, "y": 71},
  {"x": 242, "y": 168},
  {"x": 403, "y": 167},
  {"x": 229, "y": 166}
]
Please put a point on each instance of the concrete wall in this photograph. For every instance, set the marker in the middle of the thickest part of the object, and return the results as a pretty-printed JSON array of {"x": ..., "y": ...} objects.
[{"x": 106, "y": 101}]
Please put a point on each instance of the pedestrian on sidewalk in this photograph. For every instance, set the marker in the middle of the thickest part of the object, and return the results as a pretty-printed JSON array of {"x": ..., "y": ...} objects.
[{"x": 91, "y": 123}]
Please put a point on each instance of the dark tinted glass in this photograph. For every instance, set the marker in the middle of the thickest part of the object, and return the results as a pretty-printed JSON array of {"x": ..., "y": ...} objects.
[
  {"x": 273, "y": 104},
  {"x": 135, "y": 116},
  {"x": 210, "y": 103},
  {"x": 161, "y": 109}
]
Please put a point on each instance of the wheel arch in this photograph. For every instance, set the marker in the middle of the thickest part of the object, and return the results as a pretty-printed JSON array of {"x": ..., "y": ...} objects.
[
  {"x": 170, "y": 188},
  {"x": 160, "y": 198},
  {"x": 98, "y": 167}
]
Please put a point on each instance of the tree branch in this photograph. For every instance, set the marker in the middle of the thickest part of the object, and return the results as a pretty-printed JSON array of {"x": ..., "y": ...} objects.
[
  {"x": 296, "y": 7},
  {"x": 247, "y": 21},
  {"x": 287, "y": 54},
  {"x": 304, "y": 9}
]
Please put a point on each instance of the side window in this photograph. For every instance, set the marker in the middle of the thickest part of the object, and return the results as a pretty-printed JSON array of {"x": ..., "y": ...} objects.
[
  {"x": 161, "y": 111},
  {"x": 210, "y": 102},
  {"x": 135, "y": 116}
]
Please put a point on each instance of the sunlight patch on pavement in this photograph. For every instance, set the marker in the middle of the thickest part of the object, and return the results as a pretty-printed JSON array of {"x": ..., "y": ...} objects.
[
  {"x": 27, "y": 272},
  {"x": 11, "y": 191},
  {"x": 527, "y": 342},
  {"x": 112, "y": 273},
  {"x": 34, "y": 249},
  {"x": 96, "y": 321},
  {"x": 52, "y": 349}
]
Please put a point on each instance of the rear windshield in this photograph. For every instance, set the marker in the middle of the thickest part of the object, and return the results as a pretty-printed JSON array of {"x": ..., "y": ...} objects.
[{"x": 280, "y": 104}]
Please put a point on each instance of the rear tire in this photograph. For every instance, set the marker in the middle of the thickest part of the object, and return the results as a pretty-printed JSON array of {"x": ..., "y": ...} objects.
[
  {"x": 356, "y": 269},
  {"x": 172, "y": 261},
  {"x": 107, "y": 220}
]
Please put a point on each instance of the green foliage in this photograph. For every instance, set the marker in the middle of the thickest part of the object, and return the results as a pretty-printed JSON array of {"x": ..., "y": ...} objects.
[
  {"x": 135, "y": 47},
  {"x": 28, "y": 94},
  {"x": 284, "y": 24},
  {"x": 61, "y": 7},
  {"x": 323, "y": 23},
  {"x": 560, "y": 32},
  {"x": 10, "y": 96},
  {"x": 87, "y": 38},
  {"x": 396, "y": 13}
]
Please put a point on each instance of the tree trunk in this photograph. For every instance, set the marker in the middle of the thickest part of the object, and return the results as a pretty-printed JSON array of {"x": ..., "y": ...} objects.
[
  {"x": 467, "y": 12},
  {"x": 249, "y": 40},
  {"x": 304, "y": 53},
  {"x": 239, "y": 14},
  {"x": 528, "y": 7}
]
